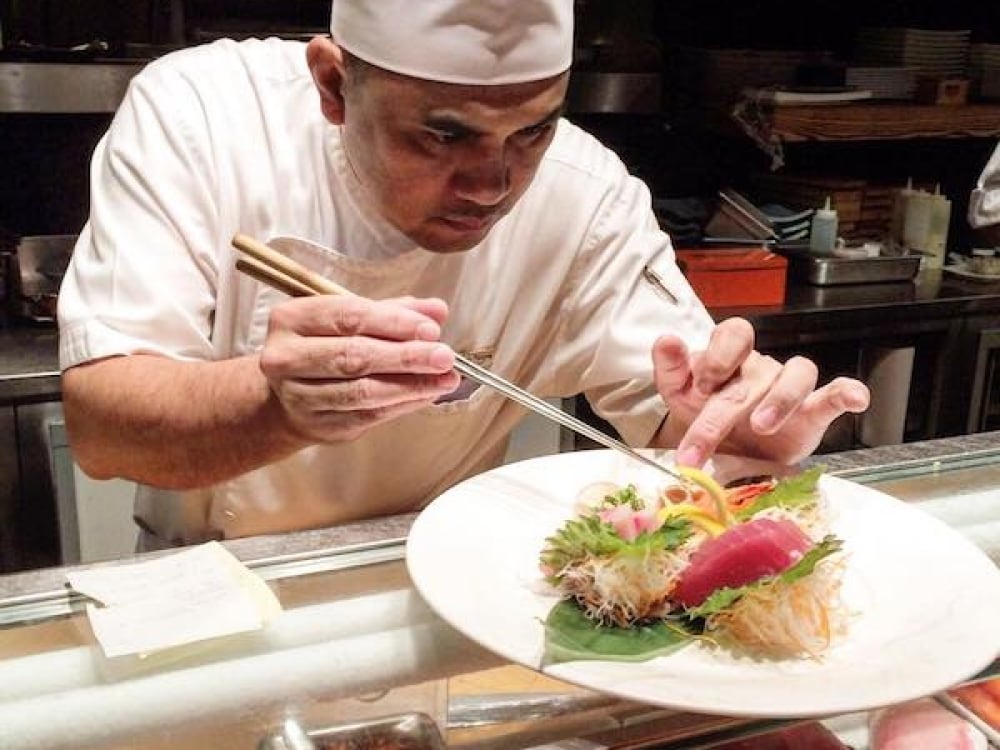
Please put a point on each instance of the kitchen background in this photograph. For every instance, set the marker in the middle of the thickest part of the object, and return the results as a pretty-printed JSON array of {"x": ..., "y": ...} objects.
[
  {"x": 665, "y": 136},
  {"x": 661, "y": 82}
]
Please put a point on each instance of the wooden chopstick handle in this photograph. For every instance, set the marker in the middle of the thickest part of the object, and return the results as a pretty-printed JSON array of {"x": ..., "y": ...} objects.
[
  {"x": 273, "y": 278},
  {"x": 270, "y": 257}
]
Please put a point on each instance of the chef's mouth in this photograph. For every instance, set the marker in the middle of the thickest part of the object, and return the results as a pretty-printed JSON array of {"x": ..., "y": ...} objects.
[{"x": 469, "y": 223}]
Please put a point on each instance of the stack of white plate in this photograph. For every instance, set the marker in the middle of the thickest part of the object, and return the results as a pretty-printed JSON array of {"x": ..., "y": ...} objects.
[
  {"x": 884, "y": 81},
  {"x": 984, "y": 70},
  {"x": 930, "y": 51}
]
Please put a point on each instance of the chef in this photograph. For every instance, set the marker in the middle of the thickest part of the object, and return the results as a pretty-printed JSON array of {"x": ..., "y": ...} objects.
[
  {"x": 984, "y": 203},
  {"x": 417, "y": 157}
]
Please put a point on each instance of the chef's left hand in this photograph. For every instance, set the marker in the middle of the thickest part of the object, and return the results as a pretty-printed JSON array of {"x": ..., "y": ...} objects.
[{"x": 733, "y": 398}]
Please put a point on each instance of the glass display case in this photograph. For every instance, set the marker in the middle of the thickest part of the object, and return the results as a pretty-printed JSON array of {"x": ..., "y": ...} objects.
[{"x": 358, "y": 660}]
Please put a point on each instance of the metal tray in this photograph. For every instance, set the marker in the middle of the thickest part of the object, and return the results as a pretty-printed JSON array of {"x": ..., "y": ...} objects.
[
  {"x": 823, "y": 271},
  {"x": 409, "y": 731}
]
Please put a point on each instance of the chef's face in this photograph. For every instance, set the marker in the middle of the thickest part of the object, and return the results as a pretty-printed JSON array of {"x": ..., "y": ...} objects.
[{"x": 445, "y": 162}]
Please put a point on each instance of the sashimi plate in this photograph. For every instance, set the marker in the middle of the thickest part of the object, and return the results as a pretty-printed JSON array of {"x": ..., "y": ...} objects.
[{"x": 925, "y": 601}]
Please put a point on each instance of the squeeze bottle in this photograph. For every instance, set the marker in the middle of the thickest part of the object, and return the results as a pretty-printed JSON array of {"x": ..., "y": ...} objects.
[
  {"x": 823, "y": 232},
  {"x": 898, "y": 220},
  {"x": 917, "y": 222},
  {"x": 937, "y": 233}
]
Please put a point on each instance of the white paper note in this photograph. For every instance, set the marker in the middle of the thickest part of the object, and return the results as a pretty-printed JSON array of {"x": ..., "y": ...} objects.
[{"x": 199, "y": 593}]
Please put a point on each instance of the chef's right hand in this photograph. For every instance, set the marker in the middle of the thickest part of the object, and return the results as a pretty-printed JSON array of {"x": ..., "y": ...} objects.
[{"x": 338, "y": 366}]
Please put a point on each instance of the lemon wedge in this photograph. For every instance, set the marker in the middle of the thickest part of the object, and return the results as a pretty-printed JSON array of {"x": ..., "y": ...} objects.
[
  {"x": 694, "y": 514},
  {"x": 704, "y": 480}
]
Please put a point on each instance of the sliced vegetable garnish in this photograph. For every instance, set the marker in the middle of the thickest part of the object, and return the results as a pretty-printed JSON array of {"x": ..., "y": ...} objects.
[
  {"x": 795, "y": 491},
  {"x": 695, "y": 515},
  {"x": 589, "y": 536},
  {"x": 743, "y": 496},
  {"x": 704, "y": 480},
  {"x": 627, "y": 495}
]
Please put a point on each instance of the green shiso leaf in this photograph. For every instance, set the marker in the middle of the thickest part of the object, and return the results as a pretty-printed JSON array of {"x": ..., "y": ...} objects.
[
  {"x": 571, "y": 636},
  {"x": 721, "y": 599},
  {"x": 627, "y": 495},
  {"x": 588, "y": 536},
  {"x": 795, "y": 491}
]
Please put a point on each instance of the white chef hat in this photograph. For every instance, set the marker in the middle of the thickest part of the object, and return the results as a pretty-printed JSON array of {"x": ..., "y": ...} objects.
[{"x": 459, "y": 41}]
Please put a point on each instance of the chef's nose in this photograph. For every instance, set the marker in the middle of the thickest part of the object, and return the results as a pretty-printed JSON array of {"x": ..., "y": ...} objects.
[{"x": 485, "y": 179}]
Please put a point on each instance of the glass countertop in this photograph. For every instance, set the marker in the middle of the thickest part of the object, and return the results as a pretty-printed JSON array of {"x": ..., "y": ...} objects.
[{"x": 357, "y": 659}]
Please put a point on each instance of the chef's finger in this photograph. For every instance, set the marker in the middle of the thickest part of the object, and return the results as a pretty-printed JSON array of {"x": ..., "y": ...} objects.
[
  {"x": 355, "y": 316},
  {"x": 336, "y": 425},
  {"x": 432, "y": 307},
  {"x": 730, "y": 344},
  {"x": 794, "y": 383},
  {"x": 726, "y": 407},
  {"x": 350, "y": 357},
  {"x": 714, "y": 422},
  {"x": 821, "y": 407},
  {"x": 363, "y": 394},
  {"x": 671, "y": 368}
]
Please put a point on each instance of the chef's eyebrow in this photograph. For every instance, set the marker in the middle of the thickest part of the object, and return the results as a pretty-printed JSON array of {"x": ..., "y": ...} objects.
[
  {"x": 454, "y": 126},
  {"x": 550, "y": 118}
]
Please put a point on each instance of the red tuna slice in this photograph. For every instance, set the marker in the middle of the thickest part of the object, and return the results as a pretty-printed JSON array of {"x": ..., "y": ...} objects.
[{"x": 741, "y": 555}]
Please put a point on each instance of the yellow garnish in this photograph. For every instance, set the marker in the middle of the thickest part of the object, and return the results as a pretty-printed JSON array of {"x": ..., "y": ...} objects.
[
  {"x": 694, "y": 514},
  {"x": 714, "y": 490}
]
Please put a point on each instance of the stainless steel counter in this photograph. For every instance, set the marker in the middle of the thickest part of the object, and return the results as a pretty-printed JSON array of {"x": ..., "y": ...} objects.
[{"x": 29, "y": 363}]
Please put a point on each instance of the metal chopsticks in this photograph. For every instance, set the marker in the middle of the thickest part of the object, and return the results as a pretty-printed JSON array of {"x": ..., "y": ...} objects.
[{"x": 277, "y": 270}]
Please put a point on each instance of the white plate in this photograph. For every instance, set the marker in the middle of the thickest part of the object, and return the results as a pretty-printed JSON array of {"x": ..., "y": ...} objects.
[
  {"x": 927, "y": 600},
  {"x": 963, "y": 272}
]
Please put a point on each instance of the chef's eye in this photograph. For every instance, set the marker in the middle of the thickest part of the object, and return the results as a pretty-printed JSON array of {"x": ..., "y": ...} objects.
[
  {"x": 446, "y": 137},
  {"x": 534, "y": 133},
  {"x": 536, "y": 130}
]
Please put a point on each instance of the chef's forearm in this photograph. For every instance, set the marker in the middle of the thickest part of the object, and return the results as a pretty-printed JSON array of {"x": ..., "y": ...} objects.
[{"x": 171, "y": 424}]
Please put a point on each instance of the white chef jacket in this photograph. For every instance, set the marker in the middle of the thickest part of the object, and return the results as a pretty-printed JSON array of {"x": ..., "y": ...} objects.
[
  {"x": 561, "y": 298},
  {"x": 984, "y": 201}
]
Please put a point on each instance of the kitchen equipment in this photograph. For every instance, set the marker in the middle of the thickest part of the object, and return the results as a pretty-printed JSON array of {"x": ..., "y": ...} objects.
[
  {"x": 38, "y": 265},
  {"x": 413, "y": 731},
  {"x": 826, "y": 271},
  {"x": 614, "y": 92},
  {"x": 737, "y": 276},
  {"x": 823, "y": 230},
  {"x": 65, "y": 88},
  {"x": 271, "y": 267},
  {"x": 6, "y": 262},
  {"x": 937, "y": 232}
]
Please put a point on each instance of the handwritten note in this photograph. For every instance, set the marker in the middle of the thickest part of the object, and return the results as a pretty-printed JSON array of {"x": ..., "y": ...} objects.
[{"x": 189, "y": 596}]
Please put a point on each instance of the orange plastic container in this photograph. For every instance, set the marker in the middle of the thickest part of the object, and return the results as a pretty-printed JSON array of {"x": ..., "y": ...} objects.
[{"x": 735, "y": 276}]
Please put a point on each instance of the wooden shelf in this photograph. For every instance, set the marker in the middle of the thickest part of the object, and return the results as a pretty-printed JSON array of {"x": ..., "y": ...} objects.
[{"x": 868, "y": 122}]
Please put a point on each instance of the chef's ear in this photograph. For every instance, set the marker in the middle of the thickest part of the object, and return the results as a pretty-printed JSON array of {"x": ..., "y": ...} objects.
[{"x": 326, "y": 63}]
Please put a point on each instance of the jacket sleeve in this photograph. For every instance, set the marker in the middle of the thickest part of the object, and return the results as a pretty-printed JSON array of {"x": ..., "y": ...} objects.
[
  {"x": 143, "y": 272},
  {"x": 625, "y": 292}
]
